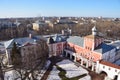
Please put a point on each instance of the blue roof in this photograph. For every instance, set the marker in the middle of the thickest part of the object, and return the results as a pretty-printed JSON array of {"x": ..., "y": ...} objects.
[
  {"x": 76, "y": 40},
  {"x": 19, "y": 42},
  {"x": 22, "y": 41},
  {"x": 39, "y": 37},
  {"x": 103, "y": 48},
  {"x": 56, "y": 37},
  {"x": 115, "y": 43}
]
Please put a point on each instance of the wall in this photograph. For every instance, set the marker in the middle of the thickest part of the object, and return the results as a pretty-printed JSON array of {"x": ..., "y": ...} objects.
[
  {"x": 110, "y": 55},
  {"x": 88, "y": 43},
  {"x": 56, "y": 48},
  {"x": 36, "y": 26},
  {"x": 111, "y": 72},
  {"x": 91, "y": 55}
]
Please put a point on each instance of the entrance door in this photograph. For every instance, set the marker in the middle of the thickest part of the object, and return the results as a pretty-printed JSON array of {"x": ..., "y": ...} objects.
[
  {"x": 73, "y": 57},
  {"x": 64, "y": 53},
  {"x": 68, "y": 55}
]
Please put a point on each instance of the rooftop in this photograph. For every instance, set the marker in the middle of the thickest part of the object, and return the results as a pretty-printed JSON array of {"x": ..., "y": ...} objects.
[
  {"x": 23, "y": 41},
  {"x": 93, "y": 36},
  {"x": 19, "y": 41},
  {"x": 109, "y": 64},
  {"x": 103, "y": 48},
  {"x": 76, "y": 40},
  {"x": 116, "y": 44}
]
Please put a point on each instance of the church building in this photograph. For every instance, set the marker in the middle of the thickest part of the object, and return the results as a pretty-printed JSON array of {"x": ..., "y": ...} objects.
[{"x": 90, "y": 47}]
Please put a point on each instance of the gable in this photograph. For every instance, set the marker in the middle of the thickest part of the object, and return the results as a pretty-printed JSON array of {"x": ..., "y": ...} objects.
[{"x": 9, "y": 44}]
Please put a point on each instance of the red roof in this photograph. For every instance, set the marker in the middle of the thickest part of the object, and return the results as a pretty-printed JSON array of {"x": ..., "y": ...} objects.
[{"x": 109, "y": 64}]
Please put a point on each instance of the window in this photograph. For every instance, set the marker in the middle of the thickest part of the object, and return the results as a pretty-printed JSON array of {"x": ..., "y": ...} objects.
[
  {"x": 88, "y": 48},
  {"x": 103, "y": 67},
  {"x": 28, "y": 49},
  {"x": 85, "y": 55},
  {"x": 92, "y": 58},
  {"x": 80, "y": 54},
  {"x": 23, "y": 48},
  {"x": 115, "y": 70}
]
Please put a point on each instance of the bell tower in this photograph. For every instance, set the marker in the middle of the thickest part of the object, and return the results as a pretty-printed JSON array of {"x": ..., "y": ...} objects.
[
  {"x": 94, "y": 31},
  {"x": 92, "y": 41}
]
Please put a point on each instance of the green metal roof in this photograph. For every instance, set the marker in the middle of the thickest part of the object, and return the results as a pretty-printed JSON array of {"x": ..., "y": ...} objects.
[{"x": 76, "y": 40}]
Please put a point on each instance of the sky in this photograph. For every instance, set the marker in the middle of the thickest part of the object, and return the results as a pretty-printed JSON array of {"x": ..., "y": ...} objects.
[{"x": 77, "y": 8}]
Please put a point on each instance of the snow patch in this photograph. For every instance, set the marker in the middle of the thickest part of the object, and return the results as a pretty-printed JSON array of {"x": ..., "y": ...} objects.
[
  {"x": 42, "y": 72},
  {"x": 86, "y": 78},
  {"x": 54, "y": 74},
  {"x": 12, "y": 75},
  {"x": 71, "y": 69}
]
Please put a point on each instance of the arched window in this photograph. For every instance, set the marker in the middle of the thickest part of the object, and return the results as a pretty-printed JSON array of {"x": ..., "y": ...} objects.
[
  {"x": 92, "y": 58},
  {"x": 80, "y": 54}
]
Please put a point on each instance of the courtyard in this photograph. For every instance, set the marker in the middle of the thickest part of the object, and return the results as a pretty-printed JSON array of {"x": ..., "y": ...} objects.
[
  {"x": 66, "y": 69},
  {"x": 62, "y": 68}
]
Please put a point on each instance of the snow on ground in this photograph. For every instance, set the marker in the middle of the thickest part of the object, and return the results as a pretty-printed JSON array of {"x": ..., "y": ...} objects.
[
  {"x": 12, "y": 75},
  {"x": 47, "y": 63},
  {"x": 54, "y": 74},
  {"x": 71, "y": 69},
  {"x": 86, "y": 78},
  {"x": 42, "y": 72}
]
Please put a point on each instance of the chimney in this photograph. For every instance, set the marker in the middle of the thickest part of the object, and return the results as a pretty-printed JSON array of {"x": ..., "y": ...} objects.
[
  {"x": 30, "y": 35},
  {"x": 63, "y": 32},
  {"x": 70, "y": 31}
]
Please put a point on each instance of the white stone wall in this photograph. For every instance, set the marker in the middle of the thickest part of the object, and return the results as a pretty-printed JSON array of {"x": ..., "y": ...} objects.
[
  {"x": 118, "y": 76},
  {"x": 111, "y": 72}
]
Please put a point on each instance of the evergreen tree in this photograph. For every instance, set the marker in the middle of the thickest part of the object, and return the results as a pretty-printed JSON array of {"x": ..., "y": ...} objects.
[{"x": 15, "y": 55}]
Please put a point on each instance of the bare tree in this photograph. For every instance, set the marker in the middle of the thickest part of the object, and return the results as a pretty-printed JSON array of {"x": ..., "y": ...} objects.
[{"x": 37, "y": 64}]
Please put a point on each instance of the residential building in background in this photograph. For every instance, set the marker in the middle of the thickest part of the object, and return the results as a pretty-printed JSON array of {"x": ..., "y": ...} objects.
[{"x": 38, "y": 25}]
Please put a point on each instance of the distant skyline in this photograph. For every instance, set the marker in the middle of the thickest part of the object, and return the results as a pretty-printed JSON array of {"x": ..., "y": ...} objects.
[{"x": 77, "y": 8}]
